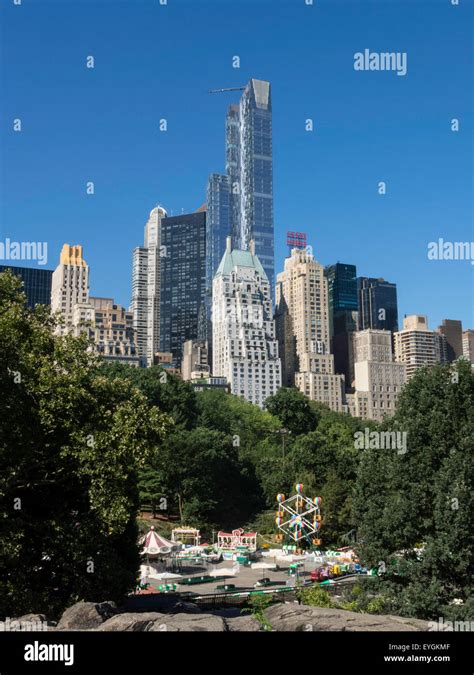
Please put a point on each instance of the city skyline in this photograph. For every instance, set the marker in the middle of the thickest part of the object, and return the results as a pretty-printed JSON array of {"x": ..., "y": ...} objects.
[{"x": 316, "y": 188}]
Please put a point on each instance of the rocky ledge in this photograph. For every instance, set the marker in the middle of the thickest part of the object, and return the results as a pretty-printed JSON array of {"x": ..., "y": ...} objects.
[{"x": 105, "y": 617}]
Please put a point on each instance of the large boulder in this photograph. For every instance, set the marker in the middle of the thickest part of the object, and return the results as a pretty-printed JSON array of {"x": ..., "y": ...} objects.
[
  {"x": 293, "y": 617},
  {"x": 243, "y": 624},
  {"x": 133, "y": 621},
  {"x": 86, "y": 615},
  {"x": 156, "y": 622}
]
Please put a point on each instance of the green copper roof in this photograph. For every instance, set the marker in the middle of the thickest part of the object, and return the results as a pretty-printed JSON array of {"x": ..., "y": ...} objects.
[{"x": 241, "y": 259}]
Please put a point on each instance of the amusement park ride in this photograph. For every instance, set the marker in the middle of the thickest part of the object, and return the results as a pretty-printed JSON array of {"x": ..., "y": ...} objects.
[{"x": 299, "y": 518}]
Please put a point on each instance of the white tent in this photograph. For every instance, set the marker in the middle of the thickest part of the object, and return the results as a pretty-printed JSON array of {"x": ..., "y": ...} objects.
[
  {"x": 263, "y": 566},
  {"x": 151, "y": 571},
  {"x": 225, "y": 571}
]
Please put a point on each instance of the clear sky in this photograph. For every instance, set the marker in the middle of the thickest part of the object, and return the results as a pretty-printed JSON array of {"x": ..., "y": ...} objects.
[{"x": 156, "y": 61}]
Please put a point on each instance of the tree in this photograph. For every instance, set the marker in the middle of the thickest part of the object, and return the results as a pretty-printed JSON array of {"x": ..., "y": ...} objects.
[
  {"x": 71, "y": 444},
  {"x": 415, "y": 507},
  {"x": 204, "y": 479},
  {"x": 293, "y": 409},
  {"x": 168, "y": 392}
]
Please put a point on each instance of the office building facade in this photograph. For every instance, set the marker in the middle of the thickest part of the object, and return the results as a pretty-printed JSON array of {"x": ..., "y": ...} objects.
[
  {"x": 452, "y": 331},
  {"x": 183, "y": 280},
  {"x": 377, "y": 304},
  {"x": 343, "y": 316},
  {"x": 36, "y": 283},
  {"x": 378, "y": 380}
]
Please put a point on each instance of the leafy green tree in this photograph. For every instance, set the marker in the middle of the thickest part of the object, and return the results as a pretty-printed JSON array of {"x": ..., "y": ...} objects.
[
  {"x": 71, "y": 444},
  {"x": 150, "y": 485},
  {"x": 294, "y": 410},
  {"x": 204, "y": 479},
  {"x": 168, "y": 392},
  {"x": 415, "y": 508}
]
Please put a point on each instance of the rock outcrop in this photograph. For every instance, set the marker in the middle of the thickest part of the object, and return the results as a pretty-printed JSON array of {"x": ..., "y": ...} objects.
[
  {"x": 86, "y": 615},
  {"x": 156, "y": 622},
  {"x": 185, "y": 617},
  {"x": 293, "y": 617}
]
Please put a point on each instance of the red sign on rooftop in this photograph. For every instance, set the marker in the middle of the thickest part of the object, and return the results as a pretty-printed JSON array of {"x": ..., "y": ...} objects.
[{"x": 296, "y": 239}]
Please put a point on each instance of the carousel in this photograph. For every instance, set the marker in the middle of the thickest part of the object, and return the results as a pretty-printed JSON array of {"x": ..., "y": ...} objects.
[{"x": 159, "y": 557}]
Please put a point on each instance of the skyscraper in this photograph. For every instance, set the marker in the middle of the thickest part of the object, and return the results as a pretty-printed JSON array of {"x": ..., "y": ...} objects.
[
  {"x": 242, "y": 205},
  {"x": 302, "y": 320},
  {"x": 245, "y": 349},
  {"x": 218, "y": 225},
  {"x": 146, "y": 274},
  {"x": 343, "y": 305},
  {"x": 36, "y": 283},
  {"x": 452, "y": 330},
  {"x": 70, "y": 285},
  {"x": 377, "y": 304},
  {"x": 183, "y": 280},
  {"x": 416, "y": 345}
]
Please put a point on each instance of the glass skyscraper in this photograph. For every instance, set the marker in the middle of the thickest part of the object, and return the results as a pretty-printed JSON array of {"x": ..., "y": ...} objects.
[
  {"x": 183, "y": 280},
  {"x": 36, "y": 283},
  {"x": 377, "y": 304},
  {"x": 217, "y": 224},
  {"x": 249, "y": 185},
  {"x": 342, "y": 288}
]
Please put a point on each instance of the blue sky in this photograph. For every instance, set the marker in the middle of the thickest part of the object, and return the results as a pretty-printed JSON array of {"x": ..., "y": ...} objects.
[{"x": 154, "y": 61}]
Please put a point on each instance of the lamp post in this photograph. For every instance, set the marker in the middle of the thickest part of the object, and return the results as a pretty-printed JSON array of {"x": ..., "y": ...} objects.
[{"x": 283, "y": 433}]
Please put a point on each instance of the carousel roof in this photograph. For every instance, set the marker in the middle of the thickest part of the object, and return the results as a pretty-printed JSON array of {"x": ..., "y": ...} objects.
[{"x": 155, "y": 544}]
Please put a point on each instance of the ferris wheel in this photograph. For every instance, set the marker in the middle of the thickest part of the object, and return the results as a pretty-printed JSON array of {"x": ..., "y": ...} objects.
[{"x": 299, "y": 517}]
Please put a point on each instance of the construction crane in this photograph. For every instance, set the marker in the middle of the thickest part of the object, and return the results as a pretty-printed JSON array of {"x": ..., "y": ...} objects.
[{"x": 218, "y": 91}]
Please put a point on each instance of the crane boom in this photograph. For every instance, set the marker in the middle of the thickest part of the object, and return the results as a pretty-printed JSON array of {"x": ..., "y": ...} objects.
[{"x": 218, "y": 91}]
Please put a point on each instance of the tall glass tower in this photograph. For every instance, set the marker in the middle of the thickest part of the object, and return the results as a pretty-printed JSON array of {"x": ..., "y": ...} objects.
[
  {"x": 240, "y": 203},
  {"x": 377, "y": 304},
  {"x": 342, "y": 285},
  {"x": 256, "y": 175}
]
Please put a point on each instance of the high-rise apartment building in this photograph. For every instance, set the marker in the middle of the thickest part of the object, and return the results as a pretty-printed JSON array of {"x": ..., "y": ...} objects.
[
  {"x": 110, "y": 327},
  {"x": 377, "y": 304},
  {"x": 70, "y": 285},
  {"x": 452, "y": 331},
  {"x": 183, "y": 280},
  {"x": 343, "y": 316},
  {"x": 245, "y": 350},
  {"x": 416, "y": 345},
  {"x": 302, "y": 320},
  {"x": 378, "y": 380},
  {"x": 240, "y": 204},
  {"x": 468, "y": 345},
  {"x": 36, "y": 283},
  {"x": 146, "y": 277}
]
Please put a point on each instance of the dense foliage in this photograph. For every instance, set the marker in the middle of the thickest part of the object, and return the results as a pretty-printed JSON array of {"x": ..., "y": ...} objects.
[
  {"x": 71, "y": 444},
  {"x": 83, "y": 442}
]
